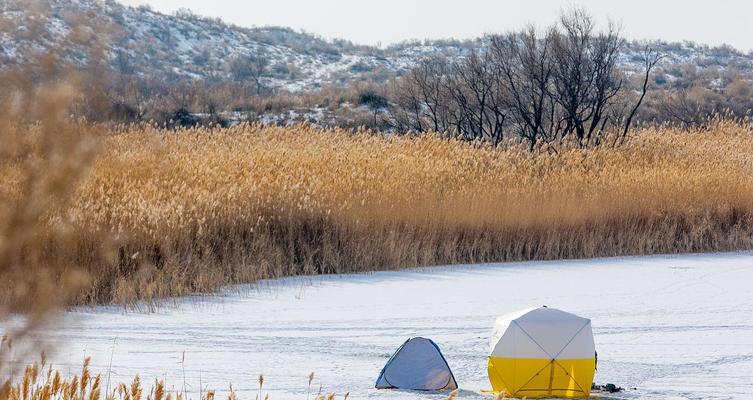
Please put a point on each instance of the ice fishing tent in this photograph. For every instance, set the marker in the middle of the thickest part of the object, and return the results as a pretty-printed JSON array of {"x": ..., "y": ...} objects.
[
  {"x": 542, "y": 352},
  {"x": 417, "y": 365}
]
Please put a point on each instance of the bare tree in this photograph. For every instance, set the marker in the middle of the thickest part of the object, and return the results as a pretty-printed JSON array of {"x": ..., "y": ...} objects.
[
  {"x": 258, "y": 67},
  {"x": 692, "y": 106},
  {"x": 428, "y": 80},
  {"x": 525, "y": 67},
  {"x": 586, "y": 78},
  {"x": 541, "y": 87},
  {"x": 182, "y": 95},
  {"x": 476, "y": 92},
  {"x": 250, "y": 67},
  {"x": 408, "y": 113},
  {"x": 375, "y": 101},
  {"x": 423, "y": 98},
  {"x": 651, "y": 57}
]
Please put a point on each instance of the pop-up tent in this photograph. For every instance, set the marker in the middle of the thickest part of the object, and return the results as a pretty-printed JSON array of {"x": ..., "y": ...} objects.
[
  {"x": 417, "y": 365},
  {"x": 542, "y": 352}
]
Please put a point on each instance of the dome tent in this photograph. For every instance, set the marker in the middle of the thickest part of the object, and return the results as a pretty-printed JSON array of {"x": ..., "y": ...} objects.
[
  {"x": 542, "y": 352},
  {"x": 417, "y": 365}
]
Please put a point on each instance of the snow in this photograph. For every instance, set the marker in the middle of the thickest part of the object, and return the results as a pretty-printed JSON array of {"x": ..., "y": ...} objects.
[
  {"x": 157, "y": 44},
  {"x": 318, "y": 116},
  {"x": 676, "y": 327}
]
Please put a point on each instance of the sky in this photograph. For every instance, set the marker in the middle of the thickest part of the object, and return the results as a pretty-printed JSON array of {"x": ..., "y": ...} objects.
[{"x": 382, "y": 22}]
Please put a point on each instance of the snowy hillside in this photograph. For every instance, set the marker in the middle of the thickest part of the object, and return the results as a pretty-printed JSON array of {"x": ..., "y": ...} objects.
[
  {"x": 142, "y": 41},
  {"x": 147, "y": 42}
]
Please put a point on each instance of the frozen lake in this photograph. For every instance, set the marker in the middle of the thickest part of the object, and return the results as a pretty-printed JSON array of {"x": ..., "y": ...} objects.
[{"x": 676, "y": 327}]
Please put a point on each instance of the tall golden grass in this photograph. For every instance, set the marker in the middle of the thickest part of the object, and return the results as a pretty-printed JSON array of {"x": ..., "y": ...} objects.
[
  {"x": 192, "y": 210},
  {"x": 156, "y": 213},
  {"x": 41, "y": 381},
  {"x": 90, "y": 215},
  {"x": 44, "y": 156}
]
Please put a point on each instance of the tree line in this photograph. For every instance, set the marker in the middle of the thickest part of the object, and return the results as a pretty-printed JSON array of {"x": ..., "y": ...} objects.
[{"x": 535, "y": 86}]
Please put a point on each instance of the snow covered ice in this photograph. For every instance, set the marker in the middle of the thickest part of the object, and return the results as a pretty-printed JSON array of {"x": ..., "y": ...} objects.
[{"x": 678, "y": 327}]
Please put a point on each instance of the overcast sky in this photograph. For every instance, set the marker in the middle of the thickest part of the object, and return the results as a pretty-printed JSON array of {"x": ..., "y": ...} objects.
[{"x": 388, "y": 21}]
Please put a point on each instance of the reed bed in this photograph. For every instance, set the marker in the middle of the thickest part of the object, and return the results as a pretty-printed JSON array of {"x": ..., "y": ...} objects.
[
  {"x": 191, "y": 210},
  {"x": 42, "y": 381}
]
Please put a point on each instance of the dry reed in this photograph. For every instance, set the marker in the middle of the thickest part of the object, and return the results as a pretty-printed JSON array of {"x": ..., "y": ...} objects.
[
  {"x": 44, "y": 155},
  {"x": 192, "y": 210},
  {"x": 41, "y": 381}
]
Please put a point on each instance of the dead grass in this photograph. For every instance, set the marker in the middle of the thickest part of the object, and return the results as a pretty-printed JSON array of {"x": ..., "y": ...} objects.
[
  {"x": 93, "y": 217},
  {"x": 161, "y": 213},
  {"x": 44, "y": 156},
  {"x": 192, "y": 210},
  {"x": 41, "y": 381}
]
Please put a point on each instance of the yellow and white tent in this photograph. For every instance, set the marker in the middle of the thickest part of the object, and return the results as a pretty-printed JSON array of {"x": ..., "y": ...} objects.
[{"x": 542, "y": 352}]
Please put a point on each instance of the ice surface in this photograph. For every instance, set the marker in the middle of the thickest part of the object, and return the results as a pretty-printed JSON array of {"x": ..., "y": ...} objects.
[{"x": 670, "y": 326}]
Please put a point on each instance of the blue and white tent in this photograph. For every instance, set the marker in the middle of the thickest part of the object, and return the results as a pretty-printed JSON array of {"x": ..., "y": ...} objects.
[{"x": 417, "y": 365}]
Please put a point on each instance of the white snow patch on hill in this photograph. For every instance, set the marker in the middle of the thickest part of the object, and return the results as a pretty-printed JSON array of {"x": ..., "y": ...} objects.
[{"x": 185, "y": 45}]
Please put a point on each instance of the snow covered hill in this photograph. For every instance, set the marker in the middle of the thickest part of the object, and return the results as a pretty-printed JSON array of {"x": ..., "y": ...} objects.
[{"x": 143, "y": 41}]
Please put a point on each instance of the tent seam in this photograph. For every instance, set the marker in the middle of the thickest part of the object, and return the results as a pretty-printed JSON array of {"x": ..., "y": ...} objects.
[
  {"x": 572, "y": 338},
  {"x": 392, "y": 357},
  {"x": 452, "y": 375}
]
